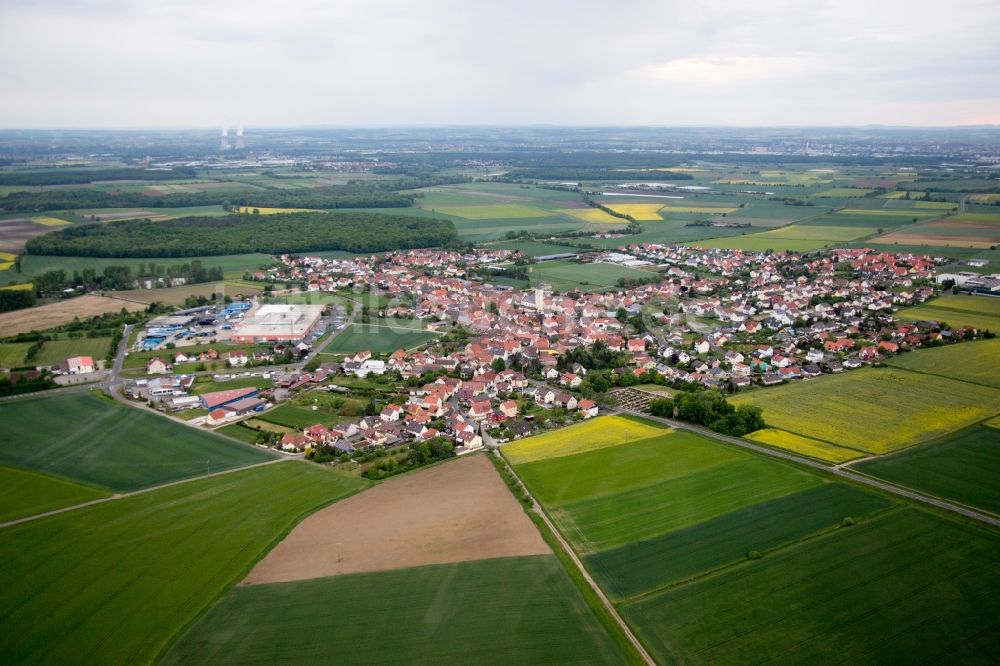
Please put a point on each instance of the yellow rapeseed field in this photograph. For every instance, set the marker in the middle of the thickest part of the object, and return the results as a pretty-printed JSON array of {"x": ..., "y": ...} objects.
[
  {"x": 6, "y": 260},
  {"x": 807, "y": 446},
  {"x": 591, "y": 215},
  {"x": 586, "y": 436},
  {"x": 18, "y": 287},
  {"x": 640, "y": 211},
  {"x": 273, "y": 211},
  {"x": 49, "y": 221},
  {"x": 711, "y": 210}
]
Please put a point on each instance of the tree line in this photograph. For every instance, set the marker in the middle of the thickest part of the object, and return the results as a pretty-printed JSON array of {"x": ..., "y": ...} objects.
[
  {"x": 710, "y": 409},
  {"x": 242, "y": 234},
  {"x": 123, "y": 277},
  {"x": 84, "y": 176}
]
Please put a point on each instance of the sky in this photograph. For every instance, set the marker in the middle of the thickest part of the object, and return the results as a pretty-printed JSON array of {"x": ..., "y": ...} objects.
[{"x": 207, "y": 63}]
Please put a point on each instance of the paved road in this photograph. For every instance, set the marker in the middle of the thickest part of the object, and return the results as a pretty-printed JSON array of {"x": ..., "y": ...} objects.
[
  {"x": 118, "y": 496},
  {"x": 583, "y": 571},
  {"x": 837, "y": 471}
]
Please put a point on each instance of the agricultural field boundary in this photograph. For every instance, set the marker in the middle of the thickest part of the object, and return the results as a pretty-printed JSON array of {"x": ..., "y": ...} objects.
[
  {"x": 581, "y": 571},
  {"x": 836, "y": 471},
  {"x": 141, "y": 491}
]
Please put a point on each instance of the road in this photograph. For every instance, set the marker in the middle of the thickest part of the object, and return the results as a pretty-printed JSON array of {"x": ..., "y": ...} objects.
[
  {"x": 536, "y": 507},
  {"x": 836, "y": 471}
]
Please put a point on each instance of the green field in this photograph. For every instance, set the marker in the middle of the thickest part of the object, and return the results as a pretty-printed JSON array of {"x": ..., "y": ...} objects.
[
  {"x": 644, "y": 512},
  {"x": 53, "y": 352},
  {"x": 565, "y": 275},
  {"x": 519, "y": 610},
  {"x": 652, "y": 563},
  {"x": 906, "y": 587},
  {"x": 963, "y": 467},
  {"x": 24, "y": 493},
  {"x": 378, "y": 338},
  {"x": 94, "y": 440},
  {"x": 949, "y": 316},
  {"x": 114, "y": 583},
  {"x": 975, "y": 362},
  {"x": 533, "y": 248},
  {"x": 233, "y": 265},
  {"x": 876, "y": 410}
]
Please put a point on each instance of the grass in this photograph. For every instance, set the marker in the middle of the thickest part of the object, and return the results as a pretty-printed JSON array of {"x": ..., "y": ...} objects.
[
  {"x": 86, "y": 438},
  {"x": 647, "y": 565},
  {"x": 963, "y": 467},
  {"x": 501, "y": 611},
  {"x": 761, "y": 243},
  {"x": 844, "y": 192},
  {"x": 49, "y": 221},
  {"x": 533, "y": 248},
  {"x": 34, "y": 265},
  {"x": 929, "y": 312},
  {"x": 586, "y": 436},
  {"x": 494, "y": 212},
  {"x": 566, "y": 275},
  {"x": 907, "y": 586},
  {"x": 806, "y": 446},
  {"x": 25, "y": 493},
  {"x": 876, "y": 410},
  {"x": 969, "y": 361},
  {"x": 200, "y": 387},
  {"x": 294, "y": 417},
  {"x": 53, "y": 352},
  {"x": 626, "y": 465},
  {"x": 113, "y": 583},
  {"x": 240, "y": 432},
  {"x": 377, "y": 339},
  {"x": 649, "y": 511}
]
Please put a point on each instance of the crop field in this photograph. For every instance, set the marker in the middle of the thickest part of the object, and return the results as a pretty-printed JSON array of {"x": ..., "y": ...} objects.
[
  {"x": 843, "y": 192},
  {"x": 49, "y": 221},
  {"x": 113, "y": 583},
  {"x": 975, "y": 362},
  {"x": 725, "y": 540},
  {"x": 494, "y": 212},
  {"x": 25, "y": 493},
  {"x": 806, "y": 446},
  {"x": 957, "y": 310},
  {"x": 565, "y": 275},
  {"x": 533, "y": 248},
  {"x": 410, "y": 520},
  {"x": 14, "y": 233},
  {"x": 514, "y": 610},
  {"x": 7, "y": 260},
  {"x": 234, "y": 265},
  {"x": 61, "y": 312},
  {"x": 669, "y": 209},
  {"x": 377, "y": 339},
  {"x": 273, "y": 211},
  {"x": 963, "y": 230},
  {"x": 876, "y": 410},
  {"x": 926, "y": 588},
  {"x": 178, "y": 295},
  {"x": 963, "y": 467},
  {"x": 592, "y": 215},
  {"x": 94, "y": 440},
  {"x": 643, "y": 512},
  {"x": 640, "y": 211},
  {"x": 53, "y": 352},
  {"x": 825, "y": 233},
  {"x": 760, "y": 243},
  {"x": 586, "y": 436}
]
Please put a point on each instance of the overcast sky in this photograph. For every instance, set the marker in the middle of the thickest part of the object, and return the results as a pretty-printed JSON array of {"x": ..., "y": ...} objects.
[{"x": 142, "y": 63}]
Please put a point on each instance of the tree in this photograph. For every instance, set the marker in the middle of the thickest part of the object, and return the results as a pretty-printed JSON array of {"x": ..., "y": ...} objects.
[{"x": 498, "y": 365}]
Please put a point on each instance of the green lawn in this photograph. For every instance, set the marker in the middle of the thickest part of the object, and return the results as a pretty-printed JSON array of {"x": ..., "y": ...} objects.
[
  {"x": 649, "y": 511},
  {"x": 519, "y": 610},
  {"x": 94, "y": 440},
  {"x": 115, "y": 582},
  {"x": 229, "y": 384},
  {"x": 565, "y": 275},
  {"x": 646, "y": 565},
  {"x": 377, "y": 339},
  {"x": 963, "y": 467},
  {"x": 293, "y": 416},
  {"x": 26, "y": 493},
  {"x": 908, "y": 587}
]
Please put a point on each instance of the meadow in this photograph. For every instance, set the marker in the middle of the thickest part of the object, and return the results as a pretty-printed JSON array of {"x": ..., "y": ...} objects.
[
  {"x": 378, "y": 338},
  {"x": 499, "y": 611},
  {"x": 975, "y": 362},
  {"x": 963, "y": 467},
  {"x": 115, "y": 582},
  {"x": 565, "y": 275},
  {"x": 876, "y": 410},
  {"x": 904, "y": 587},
  {"x": 533, "y": 248},
  {"x": 26, "y": 493},
  {"x": 53, "y": 352},
  {"x": 954, "y": 313},
  {"x": 94, "y": 440},
  {"x": 234, "y": 265}
]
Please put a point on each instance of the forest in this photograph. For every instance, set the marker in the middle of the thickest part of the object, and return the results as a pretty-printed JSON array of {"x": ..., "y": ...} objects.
[
  {"x": 241, "y": 234},
  {"x": 84, "y": 176}
]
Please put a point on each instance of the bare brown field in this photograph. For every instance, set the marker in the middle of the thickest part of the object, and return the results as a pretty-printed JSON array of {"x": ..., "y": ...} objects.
[
  {"x": 54, "y": 314},
  {"x": 15, "y": 233},
  {"x": 454, "y": 512}
]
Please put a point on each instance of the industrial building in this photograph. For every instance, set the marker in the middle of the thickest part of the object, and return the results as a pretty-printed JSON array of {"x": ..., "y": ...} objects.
[{"x": 278, "y": 323}]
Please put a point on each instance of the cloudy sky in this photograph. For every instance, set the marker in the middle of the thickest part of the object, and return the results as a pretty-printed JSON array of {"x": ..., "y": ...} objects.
[{"x": 159, "y": 63}]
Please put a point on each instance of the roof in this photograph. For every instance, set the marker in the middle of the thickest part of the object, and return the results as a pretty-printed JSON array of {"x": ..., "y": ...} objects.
[{"x": 219, "y": 398}]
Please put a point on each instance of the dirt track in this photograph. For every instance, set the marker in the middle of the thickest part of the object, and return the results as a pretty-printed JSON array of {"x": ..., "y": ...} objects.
[{"x": 454, "y": 512}]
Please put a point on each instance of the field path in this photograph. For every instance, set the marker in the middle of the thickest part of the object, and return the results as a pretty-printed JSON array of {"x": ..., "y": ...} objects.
[
  {"x": 959, "y": 509},
  {"x": 612, "y": 611},
  {"x": 119, "y": 496}
]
